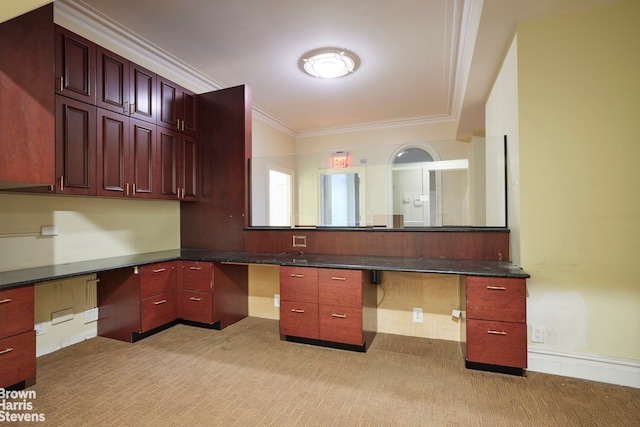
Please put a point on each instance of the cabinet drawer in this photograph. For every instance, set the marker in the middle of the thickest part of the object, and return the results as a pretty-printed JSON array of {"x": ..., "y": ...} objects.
[
  {"x": 490, "y": 298},
  {"x": 16, "y": 310},
  {"x": 156, "y": 278},
  {"x": 196, "y": 276},
  {"x": 17, "y": 358},
  {"x": 497, "y": 343},
  {"x": 196, "y": 307},
  {"x": 299, "y": 319},
  {"x": 157, "y": 310},
  {"x": 340, "y": 287},
  {"x": 299, "y": 284},
  {"x": 340, "y": 324}
]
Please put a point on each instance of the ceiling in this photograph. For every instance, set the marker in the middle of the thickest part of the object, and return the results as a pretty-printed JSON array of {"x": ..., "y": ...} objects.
[{"x": 422, "y": 61}]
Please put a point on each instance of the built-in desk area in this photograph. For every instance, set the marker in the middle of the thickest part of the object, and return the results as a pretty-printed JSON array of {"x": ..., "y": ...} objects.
[{"x": 495, "y": 296}]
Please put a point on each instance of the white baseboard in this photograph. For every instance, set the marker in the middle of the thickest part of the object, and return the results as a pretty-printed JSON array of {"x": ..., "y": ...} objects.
[
  {"x": 625, "y": 372},
  {"x": 74, "y": 339}
]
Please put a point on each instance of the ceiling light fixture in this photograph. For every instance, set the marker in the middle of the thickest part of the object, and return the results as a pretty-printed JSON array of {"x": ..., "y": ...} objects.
[{"x": 329, "y": 63}]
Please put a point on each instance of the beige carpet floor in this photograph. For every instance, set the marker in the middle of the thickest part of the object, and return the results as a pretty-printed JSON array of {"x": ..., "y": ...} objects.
[{"x": 245, "y": 375}]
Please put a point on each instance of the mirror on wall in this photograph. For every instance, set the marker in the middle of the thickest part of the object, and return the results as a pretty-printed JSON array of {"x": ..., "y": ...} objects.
[{"x": 417, "y": 186}]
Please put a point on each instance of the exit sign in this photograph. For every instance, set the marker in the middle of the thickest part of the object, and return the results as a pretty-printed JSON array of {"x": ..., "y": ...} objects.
[{"x": 339, "y": 160}]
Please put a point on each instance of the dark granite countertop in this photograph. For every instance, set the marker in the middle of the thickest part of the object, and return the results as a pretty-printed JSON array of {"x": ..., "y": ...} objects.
[{"x": 14, "y": 278}]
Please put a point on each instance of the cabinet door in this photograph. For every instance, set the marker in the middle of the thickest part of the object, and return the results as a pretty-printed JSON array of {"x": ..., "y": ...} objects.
[
  {"x": 113, "y": 133},
  {"x": 75, "y": 66},
  {"x": 26, "y": 99},
  {"x": 197, "y": 307},
  {"x": 157, "y": 278},
  {"x": 142, "y": 93},
  {"x": 157, "y": 311},
  {"x": 197, "y": 276},
  {"x": 75, "y": 147},
  {"x": 188, "y": 172},
  {"x": 178, "y": 107},
  {"x": 16, "y": 310},
  {"x": 142, "y": 173},
  {"x": 189, "y": 110},
  {"x": 340, "y": 287},
  {"x": 112, "y": 81},
  {"x": 299, "y": 319},
  {"x": 491, "y": 298},
  {"x": 168, "y": 147},
  {"x": 17, "y": 358},
  {"x": 497, "y": 343},
  {"x": 340, "y": 324},
  {"x": 299, "y": 284}
]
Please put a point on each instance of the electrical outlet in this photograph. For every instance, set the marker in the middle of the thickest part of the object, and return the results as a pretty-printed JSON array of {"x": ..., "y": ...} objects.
[
  {"x": 537, "y": 333},
  {"x": 40, "y": 328},
  {"x": 417, "y": 315},
  {"x": 91, "y": 315},
  {"x": 276, "y": 300}
]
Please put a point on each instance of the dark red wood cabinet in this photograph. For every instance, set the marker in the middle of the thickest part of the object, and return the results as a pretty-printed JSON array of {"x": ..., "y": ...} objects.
[
  {"x": 332, "y": 305},
  {"x": 196, "y": 292},
  {"x": 17, "y": 337},
  {"x": 127, "y": 153},
  {"x": 27, "y": 106},
  {"x": 179, "y": 163},
  {"x": 136, "y": 300},
  {"x": 75, "y": 65},
  {"x": 177, "y": 107},
  {"x": 75, "y": 145},
  {"x": 496, "y": 330}
]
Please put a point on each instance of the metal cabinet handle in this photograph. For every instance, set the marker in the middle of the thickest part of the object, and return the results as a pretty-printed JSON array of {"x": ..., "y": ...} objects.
[
  {"x": 338, "y": 278},
  {"x": 195, "y": 268},
  {"x": 162, "y": 301},
  {"x": 300, "y": 276},
  {"x": 159, "y": 270},
  {"x": 4, "y": 301},
  {"x": 6, "y": 350},
  {"x": 195, "y": 299},
  {"x": 496, "y": 332},
  {"x": 341, "y": 316},
  {"x": 297, "y": 310},
  {"x": 496, "y": 288}
]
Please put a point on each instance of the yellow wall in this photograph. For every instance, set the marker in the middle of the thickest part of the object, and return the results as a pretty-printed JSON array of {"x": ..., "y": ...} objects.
[
  {"x": 11, "y": 8},
  {"x": 89, "y": 228},
  {"x": 579, "y": 87}
]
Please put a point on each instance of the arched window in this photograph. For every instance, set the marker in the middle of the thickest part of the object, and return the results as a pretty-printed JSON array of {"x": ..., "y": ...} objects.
[{"x": 416, "y": 195}]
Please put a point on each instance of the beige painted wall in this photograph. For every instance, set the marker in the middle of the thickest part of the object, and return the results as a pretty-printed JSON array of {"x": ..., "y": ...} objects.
[
  {"x": 578, "y": 91},
  {"x": 437, "y": 294},
  {"x": 11, "y": 8},
  {"x": 89, "y": 228}
]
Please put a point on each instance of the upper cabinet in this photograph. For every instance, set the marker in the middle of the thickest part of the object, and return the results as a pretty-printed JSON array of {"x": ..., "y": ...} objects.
[
  {"x": 27, "y": 154},
  {"x": 178, "y": 107},
  {"x": 75, "y": 66},
  {"x": 98, "y": 131},
  {"x": 125, "y": 87}
]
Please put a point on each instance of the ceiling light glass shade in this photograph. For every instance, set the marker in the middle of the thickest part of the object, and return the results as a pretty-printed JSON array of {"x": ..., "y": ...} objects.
[{"x": 329, "y": 63}]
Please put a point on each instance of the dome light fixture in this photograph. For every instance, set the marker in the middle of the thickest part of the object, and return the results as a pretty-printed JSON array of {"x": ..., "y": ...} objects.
[{"x": 329, "y": 63}]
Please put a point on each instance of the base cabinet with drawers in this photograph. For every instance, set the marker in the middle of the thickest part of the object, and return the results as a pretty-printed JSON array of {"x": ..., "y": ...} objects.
[
  {"x": 17, "y": 338},
  {"x": 133, "y": 301},
  {"x": 496, "y": 329},
  {"x": 196, "y": 292},
  {"x": 328, "y": 306}
]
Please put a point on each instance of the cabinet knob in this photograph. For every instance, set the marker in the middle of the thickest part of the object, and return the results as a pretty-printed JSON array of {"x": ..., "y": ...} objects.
[
  {"x": 4, "y": 301},
  {"x": 299, "y": 276},
  {"x": 162, "y": 301},
  {"x": 195, "y": 299},
  {"x": 195, "y": 268},
  {"x": 341, "y": 316},
  {"x": 159, "y": 270},
  {"x": 496, "y": 332},
  {"x": 338, "y": 278},
  {"x": 297, "y": 310},
  {"x": 496, "y": 288}
]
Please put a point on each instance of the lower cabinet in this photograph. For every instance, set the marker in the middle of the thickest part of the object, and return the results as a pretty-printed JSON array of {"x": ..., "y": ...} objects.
[
  {"x": 496, "y": 328},
  {"x": 136, "y": 300},
  {"x": 327, "y": 305},
  {"x": 17, "y": 337},
  {"x": 196, "y": 291}
]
